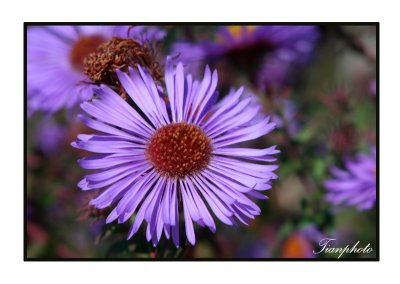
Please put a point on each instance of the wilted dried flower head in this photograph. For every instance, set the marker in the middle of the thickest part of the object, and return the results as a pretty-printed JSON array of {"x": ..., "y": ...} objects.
[{"x": 119, "y": 53}]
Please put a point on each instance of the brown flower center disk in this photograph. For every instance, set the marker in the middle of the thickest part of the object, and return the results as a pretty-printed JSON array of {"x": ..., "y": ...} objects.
[
  {"x": 82, "y": 48},
  {"x": 179, "y": 149},
  {"x": 119, "y": 53}
]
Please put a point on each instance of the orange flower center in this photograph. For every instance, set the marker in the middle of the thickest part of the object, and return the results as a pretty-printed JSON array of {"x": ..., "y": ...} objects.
[
  {"x": 179, "y": 149},
  {"x": 84, "y": 46}
]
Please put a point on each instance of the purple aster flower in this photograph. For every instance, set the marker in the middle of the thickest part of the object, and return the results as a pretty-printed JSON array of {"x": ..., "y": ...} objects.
[
  {"x": 177, "y": 157},
  {"x": 283, "y": 49},
  {"x": 355, "y": 186},
  {"x": 56, "y": 58}
]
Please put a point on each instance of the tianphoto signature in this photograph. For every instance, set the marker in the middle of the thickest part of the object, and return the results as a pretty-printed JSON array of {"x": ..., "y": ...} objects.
[{"x": 325, "y": 245}]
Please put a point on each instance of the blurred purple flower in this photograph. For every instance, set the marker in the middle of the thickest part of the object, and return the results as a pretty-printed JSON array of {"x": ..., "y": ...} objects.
[
  {"x": 312, "y": 233},
  {"x": 284, "y": 49},
  {"x": 255, "y": 249},
  {"x": 372, "y": 87},
  {"x": 293, "y": 50},
  {"x": 177, "y": 155},
  {"x": 96, "y": 228},
  {"x": 50, "y": 136},
  {"x": 55, "y": 62},
  {"x": 355, "y": 186},
  {"x": 288, "y": 118}
]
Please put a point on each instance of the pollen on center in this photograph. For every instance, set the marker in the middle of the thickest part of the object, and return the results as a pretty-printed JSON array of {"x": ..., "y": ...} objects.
[{"x": 179, "y": 149}]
